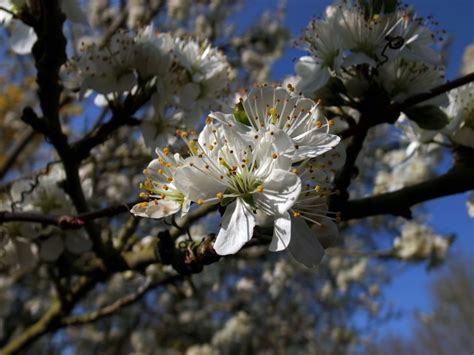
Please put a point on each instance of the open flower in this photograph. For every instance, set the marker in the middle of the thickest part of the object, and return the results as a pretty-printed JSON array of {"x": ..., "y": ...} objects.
[
  {"x": 247, "y": 178},
  {"x": 108, "y": 69},
  {"x": 326, "y": 48},
  {"x": 165, "y": 198},
  {"x": 267, "y": 108}
]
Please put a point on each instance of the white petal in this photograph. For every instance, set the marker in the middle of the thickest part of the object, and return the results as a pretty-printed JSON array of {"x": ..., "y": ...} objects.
[
  {"x": 280, "y": 191},
  {"x": 51, "y": 248},
  {"x": 156, "y": 209},
  {"x": 24, "y": 254},
  {"x": 470, "y": 205},
  {"x": 77, "y": 243},
  {"x": 304, "y": 245},
  {"x": 317, "y": 144},
  {"x": 359, "y": 58},
  {"x": 313, "y": 75},
  {"x": 22, "y": 38},
  {"x": 281, "y": 233},
  {"x": 194, "y": 183},
  {"x": 237, "y": 226}
]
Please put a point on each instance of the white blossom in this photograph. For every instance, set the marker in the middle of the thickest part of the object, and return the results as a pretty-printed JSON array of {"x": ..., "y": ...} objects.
[
  {"x": 249, "y": 177},
  {"x": 417, "y": 241},
  {"x": 470, "y": 205},
  {"x": 461, "y": 113},
  {"x": 402, "y": 79},
  {"x": 165, "y": 196},
  {"x": 266, "y": 108}
]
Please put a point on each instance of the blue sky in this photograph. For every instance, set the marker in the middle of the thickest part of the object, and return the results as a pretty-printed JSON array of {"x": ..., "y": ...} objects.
[{"x": 409, "y": 289}]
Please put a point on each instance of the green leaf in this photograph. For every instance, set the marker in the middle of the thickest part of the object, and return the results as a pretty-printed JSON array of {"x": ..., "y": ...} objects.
[
  {"x": 427, "y": 117},
  {"x": 240, "y": 115}
]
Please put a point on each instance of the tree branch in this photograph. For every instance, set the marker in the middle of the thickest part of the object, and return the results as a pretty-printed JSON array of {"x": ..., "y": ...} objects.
[
  {"x": 122, "y": 116},
  {"x": 450, "y": 85},
  {"x": 50, "y": 321},
  {"x": 118, "y": 305},
  {"x": 459, "y": 179},
  {"x": 65, "y": 221}
]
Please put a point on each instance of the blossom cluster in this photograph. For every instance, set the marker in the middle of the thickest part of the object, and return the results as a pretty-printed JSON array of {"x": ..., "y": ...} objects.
[
  {"x": 26, "y": 243},
  {"x": 269, "y": 163},
  {"x": 187, "y": 77},
  {"x": 357, "y": 39}
]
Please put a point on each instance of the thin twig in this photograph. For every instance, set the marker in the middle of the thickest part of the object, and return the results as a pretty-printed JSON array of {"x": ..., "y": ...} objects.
[
  {"x": 26, "y": 138},
  {"x": 450, "y": 85},
  {"x": 118, "y": 305}
]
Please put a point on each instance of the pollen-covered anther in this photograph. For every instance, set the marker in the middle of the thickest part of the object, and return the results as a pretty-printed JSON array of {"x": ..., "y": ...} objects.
[
  {"x": 200, "y": 201},
  {"x": 143, "y": 195},
  {"x": 274, "y": 155},
  {"x": 142, "y": 205},
  {"x": 295, "y": 171},
  {"x": 169, "y": 179},
  {"x": 331, "y": 123},
  {"x": 317, "y": 188},
  {"x": 166, "y": 151},
  {"x": 259, "y": 188},
  {"x": 181, "y": 133},
  {"x": 209, "y": 120},
  {"x": 165, "y": 187},
  {"x": 220, "y": 195},
  {"x": 290, "y": 87},
  {"x": 318, "y": 124},
  {"x": 296, "y": 214}
]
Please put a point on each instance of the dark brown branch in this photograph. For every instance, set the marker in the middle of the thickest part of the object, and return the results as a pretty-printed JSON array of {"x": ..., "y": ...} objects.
[
  {"x": 49, "y": 53},
  {"x": 450, "y": 85},
  {"x": 457, "y": 180},
  {"x": 65, "y": 221},
  {"x": 122, "y": 116}
]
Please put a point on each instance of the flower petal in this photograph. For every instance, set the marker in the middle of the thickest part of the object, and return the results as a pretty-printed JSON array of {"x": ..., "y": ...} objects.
[
  {"x": 237, "y": 226},
  {"x": 22, "y": 38},
  {"x": 280, "y": 191},
  {"x": 315, "y": 145},
  {"x": 281, "y": 233},
  {"x": 304, "y": 245},
  {"x": 194, "y": 183},
  {"x": 156, "y": 209}
]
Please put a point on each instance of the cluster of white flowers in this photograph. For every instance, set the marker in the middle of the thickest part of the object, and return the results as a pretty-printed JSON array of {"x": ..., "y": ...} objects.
[
  {"x": 380, "y": 41},
  {"x": 189, "y": 77},
  {"x": 417, "y": 241},
  {"x": 396, "y": 171},
  {"x": 25, "y": 243},
  {"x": 22, "y": 37},
  {"x": 271, "y": 162}
]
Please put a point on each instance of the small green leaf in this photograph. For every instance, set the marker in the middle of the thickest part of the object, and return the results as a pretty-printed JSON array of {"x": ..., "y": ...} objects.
[
  {"x": 240, "y": 115},
  {"x": 427, "y": 117}
]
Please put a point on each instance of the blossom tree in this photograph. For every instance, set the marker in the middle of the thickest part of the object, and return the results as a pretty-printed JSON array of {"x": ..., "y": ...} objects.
[{"x": 149, "y": 164}]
